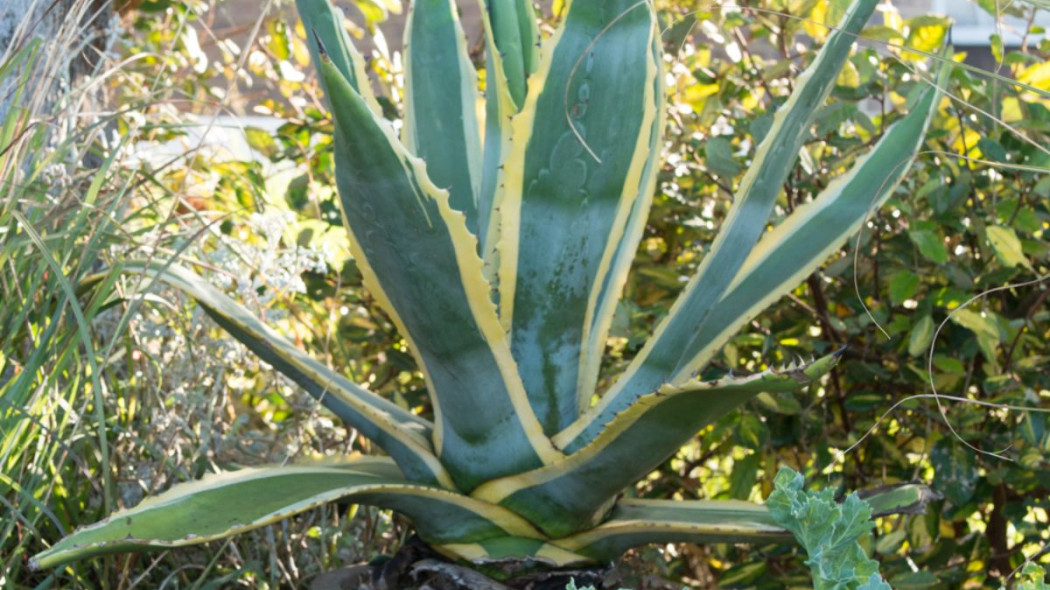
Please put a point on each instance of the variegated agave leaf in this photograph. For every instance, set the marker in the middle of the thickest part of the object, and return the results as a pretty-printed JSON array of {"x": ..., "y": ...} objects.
[
  {"x": 229, "y": 503},
  {"x": 500, "y": 246},
  {"x": 461, "y": 527},
  {"x": 581, "y": 147}
]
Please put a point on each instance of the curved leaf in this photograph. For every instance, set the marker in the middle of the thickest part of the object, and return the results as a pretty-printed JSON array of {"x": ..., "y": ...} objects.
[
  {"x": 676, "y": 338},
  {"x": 233, "y": 502},
  {"x": 636, "y": 522},
  {"x": 639, "y": 522},
  {"x": 402, "y": 434},
  {"x": 499, "y": 111},
  {"x": 801, "y": 243}
]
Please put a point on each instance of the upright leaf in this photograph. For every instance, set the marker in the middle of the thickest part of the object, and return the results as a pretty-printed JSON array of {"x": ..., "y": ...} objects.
[
  {"x": 782, "y": 259},
  {"x": 602, "y": 308},
  {"x": 802, "y": 242},
  {"x": 324, "y": 23},
  {"x": 580, "y": 151},
  {"x": 675, "y": 337},
  {"x": 420, "y": 261},
  {"x": 516, "y": 37},
  {"x": 441, "y": 99},
  {"x": 507, "y": 23}
]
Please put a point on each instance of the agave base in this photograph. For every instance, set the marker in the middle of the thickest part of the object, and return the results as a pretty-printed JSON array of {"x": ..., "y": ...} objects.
[{"x": 416, "y": 565}]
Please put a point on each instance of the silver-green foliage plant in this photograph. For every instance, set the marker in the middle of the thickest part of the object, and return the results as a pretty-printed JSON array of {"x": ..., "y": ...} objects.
[
  {"x": 829, "y": 532},
  {"x": 500, "y": 245}
]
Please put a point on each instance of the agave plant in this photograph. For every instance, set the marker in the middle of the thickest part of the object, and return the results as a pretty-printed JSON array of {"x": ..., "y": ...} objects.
[{"x": 500, "y": 245}]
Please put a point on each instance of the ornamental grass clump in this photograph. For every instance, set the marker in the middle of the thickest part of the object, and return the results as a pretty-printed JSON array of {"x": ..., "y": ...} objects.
[{"x": 500, "y": 246}]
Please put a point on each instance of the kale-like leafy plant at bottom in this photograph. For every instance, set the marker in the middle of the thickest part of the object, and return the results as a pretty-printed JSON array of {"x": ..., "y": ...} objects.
[
  {"x": 501, "y": 258},
  {"x": 829, "y": 532}
]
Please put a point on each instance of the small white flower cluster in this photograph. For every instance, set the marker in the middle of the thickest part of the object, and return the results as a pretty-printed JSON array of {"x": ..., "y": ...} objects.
[
  {"x": 196, "y": 375},
  {"x": 258, "y": 273}
]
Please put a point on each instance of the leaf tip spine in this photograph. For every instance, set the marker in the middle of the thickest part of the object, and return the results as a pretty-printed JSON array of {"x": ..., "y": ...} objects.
[{"x": 321, "y": 50}]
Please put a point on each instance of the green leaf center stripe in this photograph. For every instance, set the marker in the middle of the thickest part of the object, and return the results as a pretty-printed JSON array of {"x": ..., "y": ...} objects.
[
  {"x": 675, "y": 340},
  {"x": 233, "y": 502},
  {"x": 421, "y": 261},
  {"x": 397, "y": 431},
  {"x": 572, "y": 494},
  {"x": 441, "y": 97},
  {"x": 515, "y": 35},
  {"x": 602, "y": 307},
  {"x": 564, "y": 211}
]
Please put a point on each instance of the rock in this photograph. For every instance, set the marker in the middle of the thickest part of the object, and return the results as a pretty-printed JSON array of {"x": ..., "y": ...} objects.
[{"x": 355, "y": 577}]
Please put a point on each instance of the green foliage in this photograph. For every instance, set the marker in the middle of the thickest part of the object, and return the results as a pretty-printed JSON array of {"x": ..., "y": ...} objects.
[
  {"x": 1032, "y": 577},
  {"x": 882, "y": 271},
  {"x": 99, "y": 405},
  {"x": 56, "y": 222},
  {"x": 830, "y": 532}
]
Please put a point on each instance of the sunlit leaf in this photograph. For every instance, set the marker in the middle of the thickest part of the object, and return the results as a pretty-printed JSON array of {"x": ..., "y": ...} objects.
[
  {"x": 1007, "y": 246},
  {"x": 930, "y": 244}
]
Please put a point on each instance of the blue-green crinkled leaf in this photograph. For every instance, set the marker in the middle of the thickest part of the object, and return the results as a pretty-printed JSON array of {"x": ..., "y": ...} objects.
[
  {"x": 875, "y": 582},
  {"x": 828, "y": 531}
]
